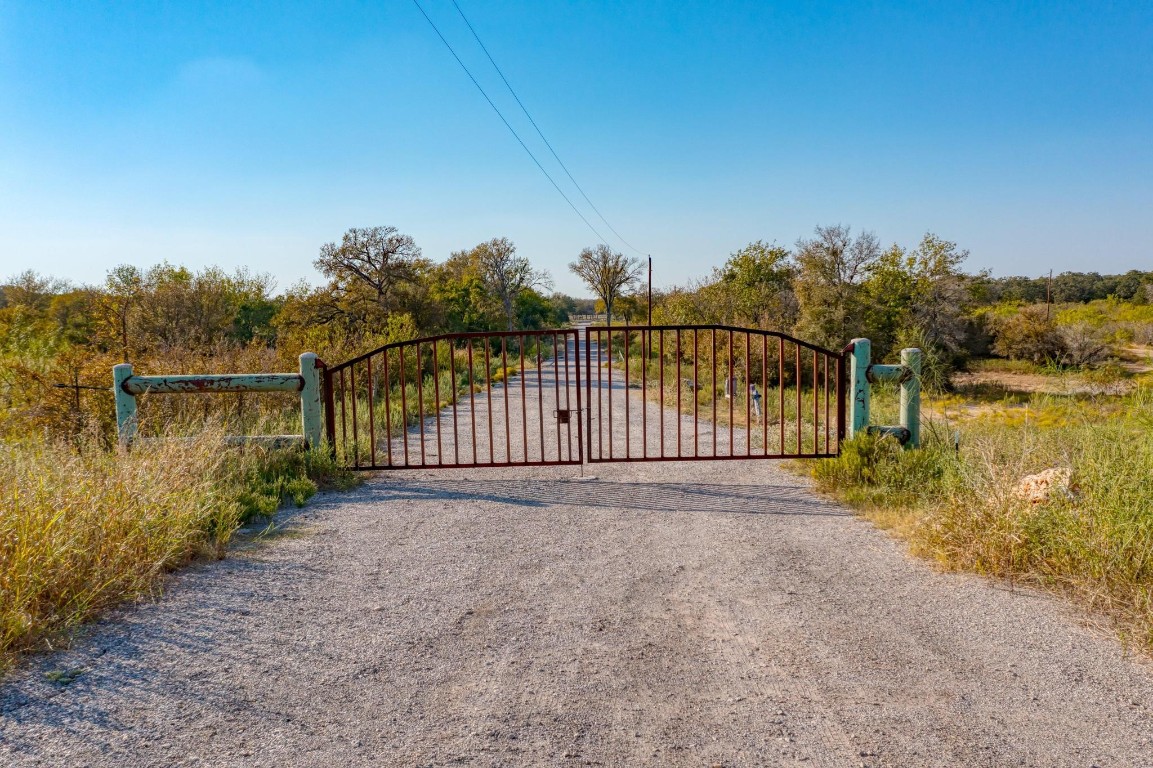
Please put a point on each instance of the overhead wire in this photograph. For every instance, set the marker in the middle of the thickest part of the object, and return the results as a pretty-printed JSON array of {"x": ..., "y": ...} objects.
[
  {"x": 506, "y": 122},
  {"x": 539, "y": 132}
]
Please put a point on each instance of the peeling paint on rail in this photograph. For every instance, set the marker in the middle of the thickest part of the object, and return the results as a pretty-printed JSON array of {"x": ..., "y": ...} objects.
[{"x": 228, "y": 382}]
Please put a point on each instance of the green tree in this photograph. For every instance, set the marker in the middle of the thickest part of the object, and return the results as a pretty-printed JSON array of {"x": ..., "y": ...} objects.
[
  {"x": 757, "y": 282},
  {"x": 831, "y": 267}
]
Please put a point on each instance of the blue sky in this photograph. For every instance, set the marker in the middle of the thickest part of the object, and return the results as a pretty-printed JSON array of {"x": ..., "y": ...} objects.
[{"x": 251, "y": 133}]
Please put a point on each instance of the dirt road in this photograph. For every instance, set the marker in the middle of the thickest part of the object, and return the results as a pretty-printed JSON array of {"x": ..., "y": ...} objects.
[{"x": 700, "y": 614}]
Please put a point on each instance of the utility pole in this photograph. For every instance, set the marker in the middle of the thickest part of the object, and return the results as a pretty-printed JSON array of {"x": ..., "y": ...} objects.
[
  {"x": 650, "y": 290},
  {"x": 1048, "y": 294}
]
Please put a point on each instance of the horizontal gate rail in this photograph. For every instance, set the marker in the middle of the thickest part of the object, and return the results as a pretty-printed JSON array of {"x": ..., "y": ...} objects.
[
  {"x": 710, "y": 392},
  {"x": 127, "y": 386},
  {"x": 480, "y": 399}
]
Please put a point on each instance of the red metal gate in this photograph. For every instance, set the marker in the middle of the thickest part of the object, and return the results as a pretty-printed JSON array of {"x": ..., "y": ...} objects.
[
  {"x": 651, "y": 393},
  {"x": 459, "y": 400},
  {"x": 667, "y": 393}
]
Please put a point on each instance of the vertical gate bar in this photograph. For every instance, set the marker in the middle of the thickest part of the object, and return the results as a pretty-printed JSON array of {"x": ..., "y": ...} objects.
[
  {"x": 610, "y": 380},
  {"x": 455, "y": 397},
  {"x": 355, "y": 434},
  {"x": 523, "y": 400},
  {"x": 748, "y": 401},
  {"x": 679, "y": 386},
  {"x": 540, "y": 391},
  {"x": 816, "y": 407},
  {"x": 576, "y": 346},
  {"x": 556, "y": 392},
  {"x": 765, "y": 394},
  {"x": 436, "y": 405},
  {"x": 825, "y": 362},
  {"x": 507, "y": 424},
  {"x": 797, "y": 358},
  {"x": 472, "y": 401},
  {"x": 696, "y": 399},
  {"x": 713, "y": 351},
  {"x": 661, "y": 374},
  {"x": 588, "y": 390},
  {"x": 404, "y": 401},
  {"x": 568, "y": 401},
  {"x": 488, "y": 396},
  {"x": 420, "y": 400},
  {"x": 329, "y": 410},
  {"x": 645, "y": 341},
  {"x": 781, "y": 389},
  {"x": 600, "y": 409},
  {"x": 841, "y": 400},
  {"x": 371, "y": 415},
  {"x": 628, "y": 416},
  {"x": 388, "y": 408},
  {"x": 343, "y": 420},
  {"x": 732, "y": 396}
]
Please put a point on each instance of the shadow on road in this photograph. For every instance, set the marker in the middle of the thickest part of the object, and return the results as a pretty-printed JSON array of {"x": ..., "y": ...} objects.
[{"x": 658, "y": 497}]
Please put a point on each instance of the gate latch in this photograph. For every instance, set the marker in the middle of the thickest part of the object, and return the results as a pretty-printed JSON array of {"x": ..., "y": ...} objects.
[{"x": 562, "y": 415}]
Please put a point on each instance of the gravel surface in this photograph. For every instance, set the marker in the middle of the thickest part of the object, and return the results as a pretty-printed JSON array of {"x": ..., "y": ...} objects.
[{"x": 696, "y": 614}]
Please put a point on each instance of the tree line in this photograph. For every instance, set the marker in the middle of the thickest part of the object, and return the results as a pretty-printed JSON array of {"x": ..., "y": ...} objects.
[{"x": 379, "y": 287}]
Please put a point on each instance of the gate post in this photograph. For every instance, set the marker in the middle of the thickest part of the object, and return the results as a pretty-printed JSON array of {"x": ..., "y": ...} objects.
[
  {"x": 310, "y": 400},
  {"x": 859, "y": 361},
  {"x": 911, "y": 396},
  {"x": 125, "y": 404}
]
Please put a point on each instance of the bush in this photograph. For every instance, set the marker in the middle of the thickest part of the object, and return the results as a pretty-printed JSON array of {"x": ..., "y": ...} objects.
[{"x": 1028, "y": 335}]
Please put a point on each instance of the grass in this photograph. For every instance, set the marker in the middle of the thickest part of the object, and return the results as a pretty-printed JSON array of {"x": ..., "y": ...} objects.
[
  {"x": 84, "y": 528},
  {"x": 957, "y": 507}
]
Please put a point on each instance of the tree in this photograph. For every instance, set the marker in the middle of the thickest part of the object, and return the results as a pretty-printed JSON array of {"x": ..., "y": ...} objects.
[
  {"x": 757, "y": 280},
  {"x": 119, "y": 301},
  {"x": 606, "y": 273},
  {"x": 831, "y": 268},
  {"x": 506, "y": 274},
  {"x": 367, "y": 270}
]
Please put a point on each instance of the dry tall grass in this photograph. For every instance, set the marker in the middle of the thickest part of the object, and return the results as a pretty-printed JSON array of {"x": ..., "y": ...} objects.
[
  {"x": 82, "y": 529},
  {"x": 959, "y": 508}
]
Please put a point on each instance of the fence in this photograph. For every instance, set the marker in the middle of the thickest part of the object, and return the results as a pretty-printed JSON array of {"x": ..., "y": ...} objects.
[
  {"x": 127, "y": 387},
  {"x": 863, "y": 373}
]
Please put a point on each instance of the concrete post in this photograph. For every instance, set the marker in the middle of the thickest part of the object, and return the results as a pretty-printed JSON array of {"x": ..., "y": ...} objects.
[
  {"x": 125, "y": 403},
  {"x": 310, "y": 400},
  {"x": 911, "y": 396},
  {"x": 859, "y": 386}
]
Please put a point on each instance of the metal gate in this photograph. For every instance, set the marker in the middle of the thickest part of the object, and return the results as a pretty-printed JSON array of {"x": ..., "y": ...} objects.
[
  {"x": 651, "y": 393},
  {"x": 458, "y": 400},
  {"x": 667, "y": 393}
]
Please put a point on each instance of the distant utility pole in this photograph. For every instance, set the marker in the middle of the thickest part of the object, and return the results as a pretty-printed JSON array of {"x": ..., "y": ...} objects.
[
  {"x": 1048, "y": 294},
  {"x": 650, "y": 290}
]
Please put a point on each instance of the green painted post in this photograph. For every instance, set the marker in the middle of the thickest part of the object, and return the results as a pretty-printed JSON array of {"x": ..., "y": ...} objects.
[
  {"x": 310, "y": 400},
  {"x": 911, "y": 396},
  {"x": 859, "y": 391},
  {"x": 125, "y": 403}
]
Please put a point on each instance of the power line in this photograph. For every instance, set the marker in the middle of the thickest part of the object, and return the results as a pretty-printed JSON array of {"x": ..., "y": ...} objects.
[
  {"x": 537, "y": 127},
  {"x": 506, "y": 123}
]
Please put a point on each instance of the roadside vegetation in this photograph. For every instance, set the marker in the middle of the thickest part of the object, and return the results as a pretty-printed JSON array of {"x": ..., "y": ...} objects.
[
  {"x": 961, "y": 500},
  {"x": 1032, "y": 374}
]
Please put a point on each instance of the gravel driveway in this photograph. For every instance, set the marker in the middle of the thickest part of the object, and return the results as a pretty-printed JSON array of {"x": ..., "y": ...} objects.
[{"x": 696, "y": 614}]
